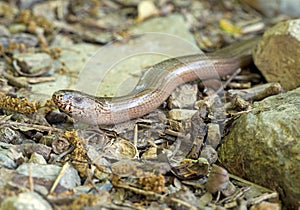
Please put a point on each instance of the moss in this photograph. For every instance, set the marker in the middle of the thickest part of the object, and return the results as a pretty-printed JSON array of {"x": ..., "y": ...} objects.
[
  {"x": 32, "y": 21},
  {"x": 21, "y": 105},
  {"x": 78, "y": 156},
  {"x": 152, "y": 182}
]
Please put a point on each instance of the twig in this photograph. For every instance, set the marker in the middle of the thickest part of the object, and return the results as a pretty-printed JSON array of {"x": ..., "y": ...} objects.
[
  {"x": 229, "y": 80},
  {"x": 235, "y": 195},
  {"x": 59, "y": 176},
  {"x": 135, "y": 136},
  {"x": 30, "y": 179},
  {"x": 63, "y": 154},
  {"x": 250, "y": 183},
  {"x": 261, "y": 198},
  {"x": 175, "y": 133},
  {"x": 156, "y": 195},
  {"x": 35, "y": 126}
]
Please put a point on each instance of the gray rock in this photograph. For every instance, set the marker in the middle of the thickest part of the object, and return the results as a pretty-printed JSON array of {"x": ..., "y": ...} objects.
[
  {"x": 9, "y": 156},
  {"x": 181, "y": 114},
  {"x": 27, "y": 39},
  {"x": 37, "y": 158},
  {"x": 213, "y": 135},
  {"x": 11, "y": 136},
  {"x": 4, "y": 31},
  {"x": 50, "y": 9},
  {"x": 69, "y": 180},
  {"x": 29, "y": 148},
  {"x": 27, "y": 200},
  {"x": 264, "y": 146},
  {"x": 183, "y": 97},
  {"x": 277, "y": 55},
  {"x": 6, "y": 177},
  {"x": 32, "y": 64},
  {"x": 6, "y": 160},
  {"x": 210, "y": 154}
]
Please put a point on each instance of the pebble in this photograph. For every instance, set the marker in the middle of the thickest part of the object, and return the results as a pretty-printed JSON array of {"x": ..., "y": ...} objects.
[
  {"x": 32, "y": 64},
  {"x": 6, "y": 159},
  {"x": 29, "y": 148},
  {"x": 9, "y": 135},
  {"x": 69, "y": 180},
  {"x": 210, "y": 154},
  {"x": 26, "y": 200},
  {"x": 37, "y": 158},
  {"x": 213, "y": 135},
  {"x": 27, "y": 4},
  {"x": 146, "y": 9},
  {"x": 183, "y": 97},
  {"x": 181, "y": 114},
  {"x": 27, "y": 39},
  {"x": 277, "y": 55},
  {"x": 180, "y": 119},
  {"x": 4, "y": 31}
]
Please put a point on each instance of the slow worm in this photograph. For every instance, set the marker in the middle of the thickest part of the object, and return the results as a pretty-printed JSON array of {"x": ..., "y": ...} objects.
[{"x": 154, "y": 86}]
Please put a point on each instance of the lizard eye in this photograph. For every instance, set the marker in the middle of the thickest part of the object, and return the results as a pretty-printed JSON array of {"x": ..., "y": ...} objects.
[{"x": 77, "y": 99}]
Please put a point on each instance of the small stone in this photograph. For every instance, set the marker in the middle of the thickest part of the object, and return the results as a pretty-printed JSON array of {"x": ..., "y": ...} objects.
[
  {"x": 181, "y": 119},
  {"x": 27, "y": 200},
  {"x": 277, "y": 55},
  {"x": 6, "y": 159},
  {"x": 4, "y": 31},
  {"x": 34, "y": 64},
  {"x": 9, "y": 135},
  {"x": 50, "y": 9},
  {"x": 27, "y": 4},
  {"x": 202, "y": 108},
  {"x": 7, "y": 12},
  {"x": 213, "y": 135},
  {"x": 183, "y": 97},
  {"x": 210, "y": 154},
  {"x": 27, "y": 39},
  {"x": 175, "y": 125},
  {"x": 181, "y": 114},
  {"x": 29, "y": 148},
  {"x": 69, "y": 180},
  {"x": 146, "y": 9},
  {"x": 37, "y": 158}
]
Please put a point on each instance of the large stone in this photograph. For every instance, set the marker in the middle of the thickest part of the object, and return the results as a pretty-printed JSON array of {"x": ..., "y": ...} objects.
[
  {"x": 264, "y": 146},
  {"x": 277, "y": 55}
]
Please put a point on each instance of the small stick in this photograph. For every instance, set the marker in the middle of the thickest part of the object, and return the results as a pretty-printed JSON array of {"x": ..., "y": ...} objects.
[{"x": 59, "y": 176}]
